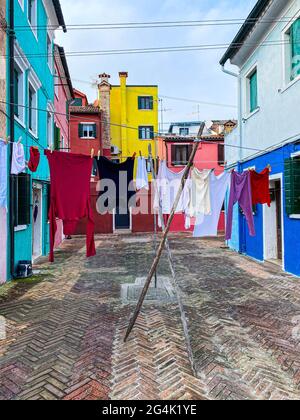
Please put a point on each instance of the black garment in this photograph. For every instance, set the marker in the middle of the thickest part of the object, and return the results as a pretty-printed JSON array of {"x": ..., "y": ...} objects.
[{"x": 122, "y": 176}]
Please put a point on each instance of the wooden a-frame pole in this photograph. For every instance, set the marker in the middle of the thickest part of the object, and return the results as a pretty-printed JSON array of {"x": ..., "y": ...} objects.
[{"x": 162, "y": 243}]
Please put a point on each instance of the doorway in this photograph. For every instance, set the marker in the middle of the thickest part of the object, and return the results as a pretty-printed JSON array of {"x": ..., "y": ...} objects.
[
  {"x": 37, "y": 228},
  {"x": 273, "y": 225}
]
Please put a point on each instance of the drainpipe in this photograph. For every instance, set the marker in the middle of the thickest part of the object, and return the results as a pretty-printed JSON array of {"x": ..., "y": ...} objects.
[
  {"x": 240, "y": 117},
  {"x": 11, "y": 132},
  {"x": 240, "y": 122}
]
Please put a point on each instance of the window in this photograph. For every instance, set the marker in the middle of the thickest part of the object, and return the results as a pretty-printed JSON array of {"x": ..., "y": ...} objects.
[
  {"x": 32, "y": 109},
  {"x": 184, "y": 131},
  {"x": 56, "y": 82},
  {"x": 181, "y": 154},
  {"x": 221, "y": 154},
  {"x": 87, "y": 131},
  {"x": 292, "y": 43},
  {"x": 292, "y": 186},
  {"x": 19, "y": 94},
  {"x": 253, "y": 91},
  {"x": 49, "y": 52},
  {"x": 146, "y": 132},
  {"x": 21, "y": 185},
  {"x": 32, "y": 14},
  {"x": 145, "y": 102},
  {"x": 50, "y": 129}
]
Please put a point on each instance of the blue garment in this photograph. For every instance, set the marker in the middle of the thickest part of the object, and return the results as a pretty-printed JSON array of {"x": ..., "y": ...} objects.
[{"x": 3, "y": 174}]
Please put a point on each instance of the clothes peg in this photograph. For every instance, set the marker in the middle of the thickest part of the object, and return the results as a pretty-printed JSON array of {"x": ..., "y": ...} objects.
[
  {"x": 134, "y": 155},
  {"x": 99, "y": 154},
  {"x": 51, "y": 148},
  {"x": 269, "y": 167},
  {"x": 92, "y": 153},
  {"x": 140, "y": 154}
]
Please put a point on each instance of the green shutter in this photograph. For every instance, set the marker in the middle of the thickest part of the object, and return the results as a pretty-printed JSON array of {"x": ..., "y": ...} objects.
[
  {"x": 95, "y": 131},
  {"x": 292, "y": 185},
  {"x": 22, "y": 193},
  {"x": 139, "y": 102},
  {"x": 80, "y": 130},
  {"x": 151, "y": 102},
  {"x": 253, "y": 92},
  {"x": 152, "y": 132},
  {"x": 295, "y": 43},
  {"x": 56, "y": 137}
]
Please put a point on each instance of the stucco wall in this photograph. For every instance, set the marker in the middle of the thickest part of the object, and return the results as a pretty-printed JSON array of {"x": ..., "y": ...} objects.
[{"x": 278, "y": 117}]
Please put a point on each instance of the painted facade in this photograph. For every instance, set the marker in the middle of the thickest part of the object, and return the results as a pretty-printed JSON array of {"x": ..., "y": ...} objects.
[
  {"x": 269, "y": 129},
  {"x": 33, "y": 80},
  {"x": 3, "y": 134},
  {"x": 133, "y": 118},
  {"x": 64, "y": 94},
  {"x": 175, "y": 149}
]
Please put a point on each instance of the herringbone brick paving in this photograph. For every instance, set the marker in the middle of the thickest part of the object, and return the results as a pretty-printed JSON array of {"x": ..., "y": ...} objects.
[{"x": 65, "y": 334}]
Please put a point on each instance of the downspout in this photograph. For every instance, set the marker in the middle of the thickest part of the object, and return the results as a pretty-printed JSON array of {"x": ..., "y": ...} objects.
[
  {"x": 240, "y": 117},
  {"x": 12, "y": 132},
  {"x": 240, "y": 122}
]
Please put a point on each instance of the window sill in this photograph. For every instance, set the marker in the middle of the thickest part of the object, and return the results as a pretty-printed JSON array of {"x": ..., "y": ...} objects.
[
  {"x": 295, "y": 216},
  {"x": 290, "y": 84},
  {"x": 251, "y": 114},
  {"x": 88, "y": 138},
  {"x": 20, "y": 228},
  {"x": 33, "y": 134},
  {"x": 20, "y": 122}
]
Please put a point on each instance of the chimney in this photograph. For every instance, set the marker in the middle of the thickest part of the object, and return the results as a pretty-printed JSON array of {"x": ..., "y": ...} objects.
[{"x": 104, "y": 88}]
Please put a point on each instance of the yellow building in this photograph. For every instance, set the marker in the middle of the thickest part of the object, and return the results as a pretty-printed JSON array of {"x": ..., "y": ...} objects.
[{"x": 133, "y": 116}]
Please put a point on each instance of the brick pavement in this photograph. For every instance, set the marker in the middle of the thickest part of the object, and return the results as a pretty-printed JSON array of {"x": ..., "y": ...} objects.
[{"x": 65, "y": 334}]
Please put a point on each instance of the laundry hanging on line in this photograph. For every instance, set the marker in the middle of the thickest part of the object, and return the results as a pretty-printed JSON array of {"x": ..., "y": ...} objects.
[
  {"x": 240, "y": 192},
  {"x": 70, "y": 199},
  {"x": 3, "y": 174},
  {"x": 260, "y": 187},
  {"x": 116, "y": 185},
  {"x": 199, "y": 185},
  {"x": 34, "y": 160},
  {"x": 168, "y": 184},
  {"x": 207, "y": 225},
  {"x": 142, "y": 181},
  {"x": 18, "y": 163}
]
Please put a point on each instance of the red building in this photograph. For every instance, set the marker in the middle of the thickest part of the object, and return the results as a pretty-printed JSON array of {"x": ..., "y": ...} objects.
[{"x": 176, "y": 147}]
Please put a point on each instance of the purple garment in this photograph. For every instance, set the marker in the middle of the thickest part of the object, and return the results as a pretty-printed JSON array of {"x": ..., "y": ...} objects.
[{"x": 240, "y": 192}]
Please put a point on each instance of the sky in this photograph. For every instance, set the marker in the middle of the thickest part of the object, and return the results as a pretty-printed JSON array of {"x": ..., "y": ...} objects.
[{"x": 192, "y": 75}]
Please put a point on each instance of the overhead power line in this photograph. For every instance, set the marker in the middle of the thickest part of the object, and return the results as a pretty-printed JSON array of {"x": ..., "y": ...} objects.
[
  {"x": 152, "y": 50},
  {"x": 160, "y": 24}
]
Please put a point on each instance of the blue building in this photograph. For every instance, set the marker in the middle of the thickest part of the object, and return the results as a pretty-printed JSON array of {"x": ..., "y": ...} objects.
[
  {"x": 30, "y": 108},
  {"x": 266, "y": 52}
]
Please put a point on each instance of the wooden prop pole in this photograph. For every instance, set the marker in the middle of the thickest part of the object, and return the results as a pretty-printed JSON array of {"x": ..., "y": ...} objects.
[{"x": 162, "y": 243}]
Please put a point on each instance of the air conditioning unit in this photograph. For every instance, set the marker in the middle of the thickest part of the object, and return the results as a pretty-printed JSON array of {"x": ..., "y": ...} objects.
[{"x": 114, "y": 150}]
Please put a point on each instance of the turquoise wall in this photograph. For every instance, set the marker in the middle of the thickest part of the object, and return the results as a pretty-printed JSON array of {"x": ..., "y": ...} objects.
[{"x": 37, "y": 45}]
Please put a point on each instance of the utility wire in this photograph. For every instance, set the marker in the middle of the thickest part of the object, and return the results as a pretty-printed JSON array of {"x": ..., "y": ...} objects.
[
  {"x": 152, "y": 50},
  {"x": 161, "y": 24}
]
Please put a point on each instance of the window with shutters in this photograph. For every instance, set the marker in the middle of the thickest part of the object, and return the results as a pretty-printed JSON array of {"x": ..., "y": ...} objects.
[
  {"x": 57, "y": 138},
  {"x": 252, "y": 86},
  {"x": 292, "y": 186},
  {"x": 146, "y": 132},
  {"x": 221, "y": 154},
  {"x": 292, "y": 51},
  {"x": 145, "y": 102},
  {"x": 180, "y": 154},
  {"x": 32, "y": 109},
  {"x": 87, "y": 131},
  {"x": 21, "y": 185},
  {"x": 19, "y": 97},
  {"x": 184, "y": 131}
]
